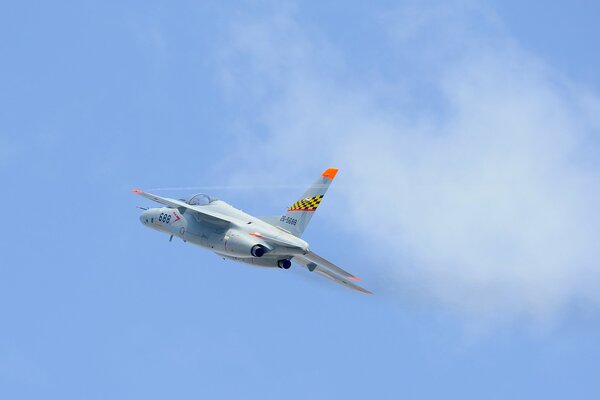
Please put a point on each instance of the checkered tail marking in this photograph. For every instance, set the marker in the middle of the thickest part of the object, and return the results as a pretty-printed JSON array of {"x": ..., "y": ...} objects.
[{"x": 308, "y": 204}]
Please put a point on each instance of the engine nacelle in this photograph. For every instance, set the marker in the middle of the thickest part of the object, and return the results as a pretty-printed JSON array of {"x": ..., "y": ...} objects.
[{"x": 240, "y": 245}]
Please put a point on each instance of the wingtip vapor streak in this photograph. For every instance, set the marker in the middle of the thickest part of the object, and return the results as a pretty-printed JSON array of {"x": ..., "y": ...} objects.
[{"x": 261, "y": 241}]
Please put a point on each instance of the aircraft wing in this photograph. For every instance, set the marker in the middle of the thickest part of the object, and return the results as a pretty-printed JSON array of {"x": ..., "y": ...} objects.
[
  {"x": 208, "y": 215},
  {"x": 312, "y": 256},
  {"x": 322, "y": 270}
]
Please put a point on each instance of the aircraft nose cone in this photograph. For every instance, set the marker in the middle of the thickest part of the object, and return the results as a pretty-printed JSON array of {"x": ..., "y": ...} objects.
[{"x": 144, "y": 217}]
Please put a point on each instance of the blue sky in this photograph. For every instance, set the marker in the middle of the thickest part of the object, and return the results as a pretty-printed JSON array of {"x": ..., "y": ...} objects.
[{"x": 466, "y": 134}]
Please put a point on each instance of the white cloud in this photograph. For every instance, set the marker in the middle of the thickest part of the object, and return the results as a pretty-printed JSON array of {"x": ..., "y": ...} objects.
[{"x": 490, "y": 196}]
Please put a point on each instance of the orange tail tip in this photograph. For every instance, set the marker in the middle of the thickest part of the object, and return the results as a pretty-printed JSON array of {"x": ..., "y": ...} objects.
[
  {"x": 136, "y": 191},
  {"x": 330, "y": 173},
  {"x": 354, "y": 278}
]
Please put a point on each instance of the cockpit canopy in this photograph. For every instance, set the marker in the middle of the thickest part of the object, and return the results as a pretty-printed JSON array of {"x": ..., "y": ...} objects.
[{"x": 200, "y": 199}]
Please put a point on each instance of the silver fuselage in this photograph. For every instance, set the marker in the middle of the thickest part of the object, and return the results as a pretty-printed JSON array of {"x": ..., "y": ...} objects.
[{"x": 233, "y": 240}]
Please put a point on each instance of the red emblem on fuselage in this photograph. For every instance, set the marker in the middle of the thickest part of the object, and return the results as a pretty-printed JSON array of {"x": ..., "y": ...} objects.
[{"x": 177, "y": 217}]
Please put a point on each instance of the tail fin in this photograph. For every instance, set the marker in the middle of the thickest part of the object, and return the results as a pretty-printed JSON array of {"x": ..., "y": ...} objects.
[{"x": 298, "y": 215}]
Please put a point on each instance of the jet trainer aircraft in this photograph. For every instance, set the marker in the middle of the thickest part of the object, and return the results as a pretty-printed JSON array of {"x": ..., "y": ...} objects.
[{"x": 231, "y": 233}]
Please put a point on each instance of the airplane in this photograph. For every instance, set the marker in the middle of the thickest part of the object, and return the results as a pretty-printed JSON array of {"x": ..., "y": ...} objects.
[{"x": 272, "y": 242}]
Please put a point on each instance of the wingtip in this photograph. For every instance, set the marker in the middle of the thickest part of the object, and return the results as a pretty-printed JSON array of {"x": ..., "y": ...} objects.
[
  {"x": 330, "y": 173},
  {"x": 364, "y": 291},
  {"x": 136, "y": 191},
  {"x": 354, "y": 278}
]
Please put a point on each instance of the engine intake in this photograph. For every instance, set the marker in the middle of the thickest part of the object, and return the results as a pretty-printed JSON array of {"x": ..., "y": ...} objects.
[
  {"x": 258, "y": 250},
  {"x": 244, "y": 246}
]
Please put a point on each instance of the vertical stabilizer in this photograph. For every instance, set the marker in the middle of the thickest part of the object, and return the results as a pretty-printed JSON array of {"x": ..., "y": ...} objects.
[{"x": 298, "y": 215}]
